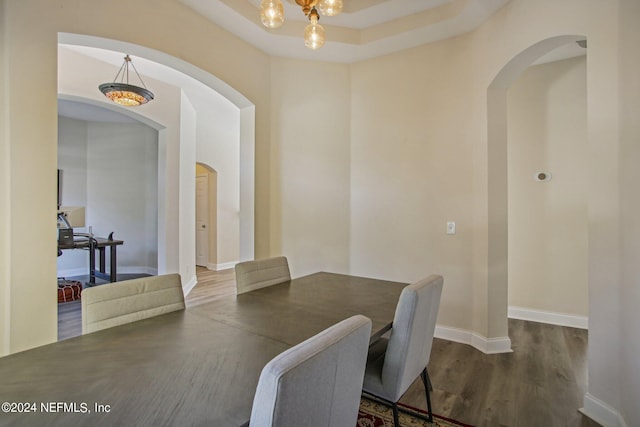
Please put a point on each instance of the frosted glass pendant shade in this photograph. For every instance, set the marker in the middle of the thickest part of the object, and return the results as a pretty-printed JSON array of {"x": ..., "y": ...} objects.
[
  {"x": 314, "y": 32},
  {"x": 271, "y": 13},
  {"x": 330, "y": 7}
]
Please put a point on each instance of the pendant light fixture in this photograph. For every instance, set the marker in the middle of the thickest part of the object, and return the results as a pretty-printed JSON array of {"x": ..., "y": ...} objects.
[
  {"x": 272, "y": 16},
  {"x": 271, "y": 13},
  {"x": 314, "y": 32},
  {"x": 123, "y": 93}
]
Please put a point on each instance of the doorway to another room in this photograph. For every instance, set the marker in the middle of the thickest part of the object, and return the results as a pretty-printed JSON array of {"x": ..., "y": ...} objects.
[{"x": 206, "y": 217}]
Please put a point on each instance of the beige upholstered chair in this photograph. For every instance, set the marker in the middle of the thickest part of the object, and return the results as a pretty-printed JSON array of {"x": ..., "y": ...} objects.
[
  {"x": 394, "y": 363},
  {"x": 251, "y": 275},
  {"x": 114, "y": 304},
  {"x": 317, "y": 382}
]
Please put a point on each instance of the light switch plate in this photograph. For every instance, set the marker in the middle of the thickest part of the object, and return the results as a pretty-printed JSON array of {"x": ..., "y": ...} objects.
[{"x": 451, "y": 227}]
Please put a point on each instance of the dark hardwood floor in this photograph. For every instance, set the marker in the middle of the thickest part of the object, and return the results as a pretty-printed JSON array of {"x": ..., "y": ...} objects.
[{"x": 540, "y": 384}]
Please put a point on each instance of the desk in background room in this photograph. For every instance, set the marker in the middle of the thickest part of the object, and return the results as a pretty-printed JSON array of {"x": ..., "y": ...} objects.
[{"x": 100, "y": 244}]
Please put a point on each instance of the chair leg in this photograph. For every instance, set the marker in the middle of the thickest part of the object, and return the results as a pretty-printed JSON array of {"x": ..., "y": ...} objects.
[
  {"x": 427, "y": 387},
  {"x": 396, "y": 420}
]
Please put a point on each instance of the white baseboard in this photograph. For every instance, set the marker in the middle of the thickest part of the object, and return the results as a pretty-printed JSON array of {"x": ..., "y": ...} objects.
[
  {"x": 601, "y": 412},
  {"x": 484, "y": 344},
  {"x": 224, "y": 266},
  {"x": 560, "y": 319},
  {"x": 70, "y": 272},
  {"x": 188, "y": 287},
  {"x": 137, "y": 270}
]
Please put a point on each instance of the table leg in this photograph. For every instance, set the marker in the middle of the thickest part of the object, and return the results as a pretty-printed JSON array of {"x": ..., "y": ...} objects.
[
  {"x": 92, "y": 263},
  {"x": 113, "y": 272},
  {"x": 103, "y": 264}
]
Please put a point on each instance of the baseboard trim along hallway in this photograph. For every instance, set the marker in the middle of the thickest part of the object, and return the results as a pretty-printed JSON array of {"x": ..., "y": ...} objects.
[{"x": 549, "y": 317}]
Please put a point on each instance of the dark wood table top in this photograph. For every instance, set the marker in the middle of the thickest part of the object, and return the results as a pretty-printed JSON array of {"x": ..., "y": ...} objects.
[
  {"x": 83, "y": 242},
  {"x": 198, "y": 367}
]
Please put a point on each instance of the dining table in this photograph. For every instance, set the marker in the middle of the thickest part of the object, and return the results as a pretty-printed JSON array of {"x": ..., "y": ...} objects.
[{"x": 194, "y": 367}]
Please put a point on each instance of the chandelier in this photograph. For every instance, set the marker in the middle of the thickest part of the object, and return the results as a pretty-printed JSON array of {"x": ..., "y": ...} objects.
[
  {"x": 272, "y": 16},
  {"x": 122, "y": 92}
]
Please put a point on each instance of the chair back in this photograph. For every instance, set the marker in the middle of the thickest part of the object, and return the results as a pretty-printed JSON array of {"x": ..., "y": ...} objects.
[
  {"x": 251, "y": 275},
  {"x": 114, "y": 304},
  {"x": 414, "y": 324},
  {"x": 316, "y": 383}
]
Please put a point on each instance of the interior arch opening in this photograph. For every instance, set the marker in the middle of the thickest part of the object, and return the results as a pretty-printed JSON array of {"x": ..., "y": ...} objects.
[
  {"x": 198, "y": 118},
  {"x": 497, "y": 179}
]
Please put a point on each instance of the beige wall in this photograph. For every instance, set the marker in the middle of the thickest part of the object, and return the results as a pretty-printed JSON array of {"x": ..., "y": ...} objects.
[
  {"x": 5, "y": 204},
  {"x": 403, "y": 140},
  {"x": 547, "y": 132},
  {"x": 411, "y": 170},
  {"x": 630, "y": 208},
  {"x": 219, "y": 147},
  {"x": 439, "y": 111},
  {"x": 31, "y": 43},
  {"x": 31, "y": 140},
  {"x": 310, "y": 165}
]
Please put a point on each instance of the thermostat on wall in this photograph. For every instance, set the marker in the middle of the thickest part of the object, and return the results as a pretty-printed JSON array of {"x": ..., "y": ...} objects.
[{"x": 542, "y": 176}]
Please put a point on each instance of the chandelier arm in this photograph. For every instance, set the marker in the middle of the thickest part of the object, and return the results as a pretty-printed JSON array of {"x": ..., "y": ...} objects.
[
  {"x": 120, "y": 71},
  {"x": 138, "y": 74}
]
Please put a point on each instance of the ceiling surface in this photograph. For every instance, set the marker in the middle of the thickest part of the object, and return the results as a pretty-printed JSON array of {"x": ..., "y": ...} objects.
[{"x": 365, "y": 28}]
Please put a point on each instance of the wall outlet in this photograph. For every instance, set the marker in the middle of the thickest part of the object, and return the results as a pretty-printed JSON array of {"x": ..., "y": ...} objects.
[{"x": 451, "y": 227}]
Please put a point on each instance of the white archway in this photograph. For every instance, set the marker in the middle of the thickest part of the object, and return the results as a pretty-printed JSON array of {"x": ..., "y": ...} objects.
[
  {"x": 171, "y": 211},
  {"x": 497, "y": 250}
]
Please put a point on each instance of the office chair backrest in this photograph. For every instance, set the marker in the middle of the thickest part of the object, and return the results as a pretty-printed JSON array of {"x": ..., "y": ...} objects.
[
  {"x": 409, "y": 346},
  {"x": 114, "y": 304},
  {"x": 251, "y": 275},
  {"x": 316, "y": 383}
]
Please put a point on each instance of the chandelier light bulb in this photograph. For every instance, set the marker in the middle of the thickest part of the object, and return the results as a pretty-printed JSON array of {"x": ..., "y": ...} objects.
[
  {"x": 330, "y": 7},
  {"x": 314, "y": 32},
  {"x": 272, "y": 16},
  {"x": 271, "y": 13}
]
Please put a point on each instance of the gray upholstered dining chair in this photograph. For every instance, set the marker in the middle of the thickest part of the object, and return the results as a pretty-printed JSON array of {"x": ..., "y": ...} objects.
[
  {"x": 117, "y": 303},
  {"x": 394, "y": 363},
  {"x": 260, "y": 273},
  {"x": 317, "y": 382}
]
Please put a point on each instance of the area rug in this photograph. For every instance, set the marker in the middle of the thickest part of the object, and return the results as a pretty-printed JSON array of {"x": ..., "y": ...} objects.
[
  {"x": 69, "y": 290},
  {"x": 373, "y": 414}
]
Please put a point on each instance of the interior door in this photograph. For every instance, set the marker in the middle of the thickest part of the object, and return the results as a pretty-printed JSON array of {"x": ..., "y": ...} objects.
[{"x": 202, "y": 220}]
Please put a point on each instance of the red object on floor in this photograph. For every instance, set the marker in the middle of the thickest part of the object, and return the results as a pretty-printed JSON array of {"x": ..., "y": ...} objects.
[{"x": 69, "y": 290}]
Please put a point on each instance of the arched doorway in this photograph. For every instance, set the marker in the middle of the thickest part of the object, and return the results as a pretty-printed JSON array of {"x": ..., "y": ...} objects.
[
  {"x": 206, "y": 217},
  {"x": 177, "y": 155},
  {"x": 497, "y": 246}
]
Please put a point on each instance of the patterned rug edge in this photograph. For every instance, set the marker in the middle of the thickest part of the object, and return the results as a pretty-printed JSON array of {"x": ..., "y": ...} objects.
[
  {"x": 69, "y": 290},
  {"x": 450, "y": 420},
  {"x": 375, "y": 414}
]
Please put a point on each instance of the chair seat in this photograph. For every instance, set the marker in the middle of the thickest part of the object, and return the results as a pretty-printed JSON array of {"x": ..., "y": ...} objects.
[{"x": 372, "y": 374}]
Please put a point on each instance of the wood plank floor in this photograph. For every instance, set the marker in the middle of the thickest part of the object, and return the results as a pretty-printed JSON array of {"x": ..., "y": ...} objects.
[
  {"x": 211, "y": 285},
  {"x": 540, "y": 384}
]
